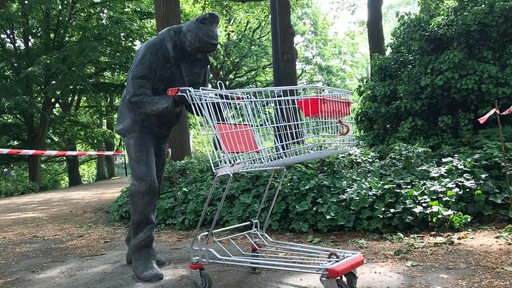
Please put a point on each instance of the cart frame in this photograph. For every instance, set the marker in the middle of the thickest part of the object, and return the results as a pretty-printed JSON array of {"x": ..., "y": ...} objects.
[{"x": 268, "y": 129}]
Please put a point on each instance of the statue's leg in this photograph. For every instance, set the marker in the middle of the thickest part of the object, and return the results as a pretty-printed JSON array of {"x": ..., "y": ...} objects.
[
  {"x": 143, "y": 198},
  {"x": 160, "y": 159}
]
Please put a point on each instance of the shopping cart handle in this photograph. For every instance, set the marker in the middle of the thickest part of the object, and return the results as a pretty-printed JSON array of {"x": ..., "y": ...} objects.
[{"x": 173, "y": 91}]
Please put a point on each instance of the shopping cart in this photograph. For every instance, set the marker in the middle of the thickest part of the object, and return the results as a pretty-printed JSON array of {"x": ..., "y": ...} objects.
[{"x": 268, "y": 129}]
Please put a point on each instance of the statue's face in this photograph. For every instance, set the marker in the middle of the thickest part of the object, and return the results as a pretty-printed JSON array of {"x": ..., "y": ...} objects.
[
  {"x": 200, "y": 34},
  {"x": 199, "y": 45},
  {"x": 209, "y": 47},
  {"x": 195, "y": 70},
  {"x": 199, "y": 38}
]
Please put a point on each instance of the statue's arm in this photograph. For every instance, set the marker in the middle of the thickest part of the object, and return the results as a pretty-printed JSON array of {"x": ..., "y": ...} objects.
[
  {"x": 140, "y": 93},
  {"x": 146, "y": 103}
]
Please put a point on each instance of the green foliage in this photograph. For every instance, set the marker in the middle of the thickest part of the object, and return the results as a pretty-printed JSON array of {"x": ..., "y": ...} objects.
[
  {"x": 62, "y": 63},
  {"x": 324, "y": 57},
  {"x": 88, "y": 169},
  {"x": 120, "y": 208},
  {"x": 244, "y": 56},
  {"x": 447, "y": 66},
  {"x": 400, "y": 188},
  {"x": 17, "y": 187},
  {"x": 506, "y": 234},
  {"x": 14, "y": 179}
]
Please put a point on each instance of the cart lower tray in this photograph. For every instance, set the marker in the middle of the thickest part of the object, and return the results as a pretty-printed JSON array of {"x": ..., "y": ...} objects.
[{"x": 256, "y": 249}]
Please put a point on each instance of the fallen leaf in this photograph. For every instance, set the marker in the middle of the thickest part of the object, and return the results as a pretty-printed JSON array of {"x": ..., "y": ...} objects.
[{"x": 412, "y": 264}]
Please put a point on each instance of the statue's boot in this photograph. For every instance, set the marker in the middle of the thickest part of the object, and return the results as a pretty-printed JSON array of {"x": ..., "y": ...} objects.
[
  {"x": 160, "y": 261},
  {"x": 143, "y": 198},
  {"x": 144, "y": 266},
  {"x": 143, "y": 256}
]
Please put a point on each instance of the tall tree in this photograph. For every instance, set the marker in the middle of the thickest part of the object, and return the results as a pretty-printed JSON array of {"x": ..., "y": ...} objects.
[
  {"x": 28, "y": 47},
  {"x": 283, "y": 39},
  {"x": 101, "y": 173},
  {"x": 327, "y": 54},
  {"x": 283, "y": 43},
  {"x": 110, "y": 141},
  {"x": 375, "y": 29},
  {"x": 58, "y": 56},
  {"x": 243, "y": 57},
  {"x": 168, "y": 13}
]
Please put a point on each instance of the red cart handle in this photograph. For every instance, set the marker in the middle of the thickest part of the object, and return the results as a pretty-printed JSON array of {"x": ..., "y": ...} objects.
[{"x": 173, "y": 91}]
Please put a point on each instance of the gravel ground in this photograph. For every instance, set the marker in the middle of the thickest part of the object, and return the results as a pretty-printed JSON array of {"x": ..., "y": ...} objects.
[{"x": 64, "y": 238}]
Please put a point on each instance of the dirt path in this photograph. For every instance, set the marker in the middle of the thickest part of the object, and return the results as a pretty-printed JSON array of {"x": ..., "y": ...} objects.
[{"x": 63, "y": 238}]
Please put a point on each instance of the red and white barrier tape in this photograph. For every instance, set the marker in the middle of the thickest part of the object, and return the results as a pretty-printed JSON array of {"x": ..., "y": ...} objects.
[
  {"x": 58, "y": 153},
  {"x": 486, "y": 116}
]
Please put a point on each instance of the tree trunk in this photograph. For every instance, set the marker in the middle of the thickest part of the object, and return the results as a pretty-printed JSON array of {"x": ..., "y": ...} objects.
[
  {"x": 100, "y": 146},
  {"x": 180, "y": 139},
  {"x": 34, "y": 169},
  {"x": 109, "y": 144},
  {"x": 37, "y": 134},
  {"x": 73, "y": 166},
  {"x": 100, "y": 168},
  {"x": 287, "y": 129},
  {"x": 375, "y": 30},
  {"x": 110, "y": 166},
  {"x": 168, "y": 14},
  {"x": 288, "y": 53}
]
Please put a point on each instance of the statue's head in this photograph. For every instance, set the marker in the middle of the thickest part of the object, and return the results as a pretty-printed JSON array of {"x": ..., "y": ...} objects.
[{"x": 200, "y": 34}]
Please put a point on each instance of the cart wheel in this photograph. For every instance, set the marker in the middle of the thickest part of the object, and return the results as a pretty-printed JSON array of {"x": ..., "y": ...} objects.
[
  {"x": 341, "y": 283},
  {"x": 255, "y": 254},
  {"x": 351, "y": 278},
  {"x": 206, "y": 280}
]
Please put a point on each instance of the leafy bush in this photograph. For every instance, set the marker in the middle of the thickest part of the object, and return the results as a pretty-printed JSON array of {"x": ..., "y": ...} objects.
[
  {"x": 399, "y": 188},
  {"x": 120, "y": 209},
  {"x": 14, "y": 188},
  {"x": 14, "y": 180},
  {"x": 447, "y": 66}
]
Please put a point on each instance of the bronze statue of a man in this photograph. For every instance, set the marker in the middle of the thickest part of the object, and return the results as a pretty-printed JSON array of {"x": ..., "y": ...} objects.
[{"x": 177, "y": 57}]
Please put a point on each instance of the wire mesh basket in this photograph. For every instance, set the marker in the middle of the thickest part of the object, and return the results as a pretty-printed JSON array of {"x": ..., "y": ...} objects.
[{"x": 251, "y": 129}]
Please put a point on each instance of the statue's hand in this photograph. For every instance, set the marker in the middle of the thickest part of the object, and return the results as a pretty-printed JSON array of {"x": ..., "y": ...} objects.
[{"x": 179, "y": 99}]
